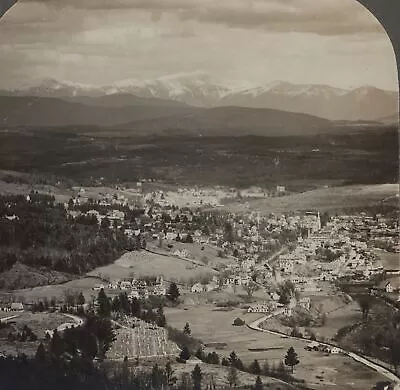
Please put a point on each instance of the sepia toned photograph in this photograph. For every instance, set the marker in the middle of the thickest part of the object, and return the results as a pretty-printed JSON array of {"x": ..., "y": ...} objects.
[{"x": 198, "y": 195}]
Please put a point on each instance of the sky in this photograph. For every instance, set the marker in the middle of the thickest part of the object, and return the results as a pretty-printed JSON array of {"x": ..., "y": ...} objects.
[{"x": 235, "y": 42}]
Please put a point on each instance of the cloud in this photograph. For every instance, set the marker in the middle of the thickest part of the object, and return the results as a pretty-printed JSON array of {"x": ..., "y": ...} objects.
[
  {"x": 320, "y": 41},
  {"x": 322, "y": 17}
]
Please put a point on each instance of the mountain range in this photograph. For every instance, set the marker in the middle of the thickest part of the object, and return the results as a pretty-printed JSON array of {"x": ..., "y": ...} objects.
[
  {"x": 198, "y": 90},
  {"x": 144, "y": 116}
]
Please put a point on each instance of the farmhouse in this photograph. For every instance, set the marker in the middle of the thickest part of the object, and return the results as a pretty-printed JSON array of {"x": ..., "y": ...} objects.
[
  {"x": 197, "y": 288},
  {"x": 17, "y": 306},
  {"x": 134, "y": 294},
  {"x": 125, "y": 285},
  {"x": 157, "y": 290},
  {"x": 390, "y": 285},
  {"x": 313, "y": 346},
  {"x": 259, "y": 308}
]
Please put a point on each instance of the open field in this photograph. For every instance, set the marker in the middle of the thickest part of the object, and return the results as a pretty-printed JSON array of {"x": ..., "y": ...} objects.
[
  {"x": 211, "y": 326},
  {"x": 334, "y": 321},
  {"x": 203, "y": 254},
  {"x": 38, "y": 322},
  {"x": 389, "y": 260},
  {"x": 57, "y": 291},
  {"x": 337, "y": 318},
  {"x": 329, "y": 199},
  {"x": 143, "y": 263},
  {"x": 138, "y": 263}
]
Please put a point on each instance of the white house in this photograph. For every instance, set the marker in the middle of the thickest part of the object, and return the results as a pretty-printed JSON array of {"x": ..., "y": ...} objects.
[
  {"x": 158, "y": 290},
  {"x": 197, "y": 288},
  {"x": 125, "y": 285},
  {"x": 389, "y": 287},
  {"x": 134, "y": 294},
  {"x": 260, "y": 308},
  {"x": 17, "y": 306}
]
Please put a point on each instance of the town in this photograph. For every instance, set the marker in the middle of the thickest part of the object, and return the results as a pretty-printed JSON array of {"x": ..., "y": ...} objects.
[{"x": 282, "y": 273}]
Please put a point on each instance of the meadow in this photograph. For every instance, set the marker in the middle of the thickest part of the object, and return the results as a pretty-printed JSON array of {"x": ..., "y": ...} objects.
[
  {"x": 334, "y": 199},
  {"x": 319, "y": 370},
  {"x": 144, "y": 263}
]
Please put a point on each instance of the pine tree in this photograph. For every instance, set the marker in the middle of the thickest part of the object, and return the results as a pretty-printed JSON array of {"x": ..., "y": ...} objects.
[
  {"x": 233, "y": 359},
  {"x": 185, "y": 354},
  {"x": 56, "y": 344},
  {"x": 81, "y": 299},
  {"x": 281, "y": 370},
  {"x": 186, "y": 329},
  {"x": 266, "y": 369},
  {"x": 173, "y": 292},
  {"x": 104, "y": 304},
  {"x": 156, "y": 377},
  {"x": 258, "y": 385},
  {"x": 232, "y": 377},
  {"x": 291, "y": 358},
  {"x": 255, "y": 368},
  {"x": 91, "y": 346},
  {"x": 161, "y": 320},
  {"x": 225, "y": 362},
  {"x": 200, "y": 354},
  {"x": 40, "y": 355},
  {"x": 197, "y": 377},
  {"x": 169, "y": 375}
]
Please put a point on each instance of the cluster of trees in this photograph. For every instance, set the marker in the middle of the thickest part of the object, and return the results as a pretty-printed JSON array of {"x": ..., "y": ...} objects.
[
  {"x": 326, "y": 254},
  {"x": 235, "y": 364},
  {"x": 377, "y": 335},
  {"x": 21, "y": 373},
  {"x": 45, "y": 305},
  {"x": 93, "y": 339},
  {"x": 79, "y": 373},
  {"x": 121, "y": 304},
  {"x": 286, "y": 291},
  {"x": 42, "y": 235},
  {"x": 26, "y": 334}
]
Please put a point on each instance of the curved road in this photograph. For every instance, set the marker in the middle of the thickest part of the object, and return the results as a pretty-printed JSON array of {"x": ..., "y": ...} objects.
[
  {"x": 255, "y": 325},
  {"x": 77, "y": 321}
]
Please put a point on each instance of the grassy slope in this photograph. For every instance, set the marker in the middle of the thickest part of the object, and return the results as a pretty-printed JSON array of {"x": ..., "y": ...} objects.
[{"x": 332, "y": 198}]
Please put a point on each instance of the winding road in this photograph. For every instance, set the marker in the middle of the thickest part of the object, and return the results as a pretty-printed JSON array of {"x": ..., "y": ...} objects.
[
  {"x": 77, "y": 321},
  {"x": 255, "y": 325}
]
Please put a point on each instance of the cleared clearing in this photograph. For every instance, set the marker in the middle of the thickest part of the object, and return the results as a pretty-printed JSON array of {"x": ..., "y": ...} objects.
[
  {"x": 390, "y": 260},
  {"x": 213, "y": 326},
  {"x": 143, "y": 263},
  {"x": 331, "y": 198}
]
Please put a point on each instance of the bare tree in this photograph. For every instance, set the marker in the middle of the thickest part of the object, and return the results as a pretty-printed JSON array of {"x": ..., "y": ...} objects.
[{"x": 251, "y": 288}]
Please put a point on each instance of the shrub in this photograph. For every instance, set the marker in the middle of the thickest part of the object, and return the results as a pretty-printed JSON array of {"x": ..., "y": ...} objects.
[{"x": 238, "y": 322}]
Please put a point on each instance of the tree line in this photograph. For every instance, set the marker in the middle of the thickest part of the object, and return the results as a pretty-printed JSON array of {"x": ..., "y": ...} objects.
[{"x": 43, "y": 235}]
